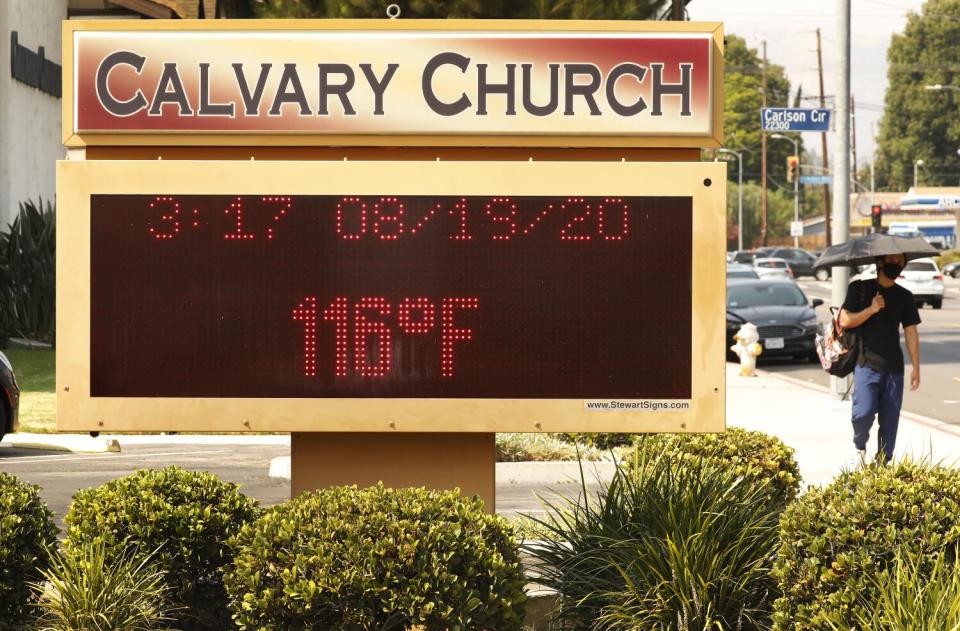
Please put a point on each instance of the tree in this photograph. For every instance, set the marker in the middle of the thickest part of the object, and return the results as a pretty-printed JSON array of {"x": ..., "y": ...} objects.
[
  {"x": 743, "y": 98},
  {"x": 779, "y": 213},
  {"x": 920, "y": 124},
  {"x": 554, "y": 9}
]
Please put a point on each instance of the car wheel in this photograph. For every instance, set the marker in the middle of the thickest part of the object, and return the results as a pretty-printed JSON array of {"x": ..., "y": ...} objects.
[
  {"x": 813, "y": 357},
  {"x": 822, "y": 274},
  {"x": 3, "y": 420},
  {"x": 956, "y": 273},
  {"x": 919, "y": 304},
  {"x": 936, "y": 304}
]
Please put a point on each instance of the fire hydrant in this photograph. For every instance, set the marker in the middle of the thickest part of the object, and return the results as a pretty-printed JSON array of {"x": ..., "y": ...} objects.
[{"x": 747, "y": 348}]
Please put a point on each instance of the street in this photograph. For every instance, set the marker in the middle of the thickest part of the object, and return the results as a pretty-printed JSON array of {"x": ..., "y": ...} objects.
[
  {"x": 939, "y": 393},
  {"x": 245, "y": 462}
]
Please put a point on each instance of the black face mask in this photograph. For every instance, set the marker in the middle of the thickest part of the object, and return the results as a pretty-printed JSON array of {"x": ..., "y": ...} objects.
[{"x": 892, "y": 270}]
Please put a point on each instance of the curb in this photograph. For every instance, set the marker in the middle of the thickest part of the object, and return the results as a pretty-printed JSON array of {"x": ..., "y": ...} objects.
[{"x": 70, "y": 443}]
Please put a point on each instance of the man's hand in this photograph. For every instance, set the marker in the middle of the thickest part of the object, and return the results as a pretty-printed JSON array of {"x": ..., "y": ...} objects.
[
  {"x": 913, "y": 348},
  {"x": 878, "y": 303}
]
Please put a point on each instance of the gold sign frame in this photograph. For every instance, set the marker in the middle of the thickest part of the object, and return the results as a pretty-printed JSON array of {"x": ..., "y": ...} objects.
[{"x": 705, "y": 183}]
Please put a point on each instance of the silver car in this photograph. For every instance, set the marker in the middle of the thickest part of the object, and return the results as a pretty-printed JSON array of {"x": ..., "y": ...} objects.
[{"x": 771, "y": 267}]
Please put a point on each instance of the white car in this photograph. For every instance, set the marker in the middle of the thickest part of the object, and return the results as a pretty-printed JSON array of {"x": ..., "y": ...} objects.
[
  {"x": 772, "y": 268},
  {"x": 922, "y": 277},
  {"x": 924, "y": 280}
]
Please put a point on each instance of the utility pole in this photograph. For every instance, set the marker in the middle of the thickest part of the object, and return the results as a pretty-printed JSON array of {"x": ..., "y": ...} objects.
[
  {"x": 677, "y": 13},
  {"x": 841, "y": 158},
  {"x": 763, "y": 159},
  {"x": 853, "y": 135},
  {"x": 823, "y": 137}
]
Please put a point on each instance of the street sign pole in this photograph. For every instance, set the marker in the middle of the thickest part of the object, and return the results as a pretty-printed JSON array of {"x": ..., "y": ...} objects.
[
  {"x": 796, "y": 183},
  {"x": 796, "y": 203},
  {"x": 841, "y": 156}
]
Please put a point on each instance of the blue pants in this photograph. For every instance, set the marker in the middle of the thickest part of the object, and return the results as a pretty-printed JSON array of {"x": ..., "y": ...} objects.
[{"x": 876, "y": 393}]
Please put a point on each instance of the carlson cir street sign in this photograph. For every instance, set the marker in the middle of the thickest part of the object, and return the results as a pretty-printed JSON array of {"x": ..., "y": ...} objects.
[
  {"x": 793, "y": 119},
  {"x": 395, "y": 83},
  {"x": 441, "y": 296}
]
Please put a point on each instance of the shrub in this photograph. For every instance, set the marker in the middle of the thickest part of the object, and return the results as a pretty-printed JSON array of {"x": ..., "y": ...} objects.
[
  {"x": 915, "y": 592},
  {"x": 834, "y": 539},
  {"x": 669, "y": 543},
  {"x": 27, "y": 531},
  {"x": 755, "y": 456},
  {"x": 540, "y": 448},
  {"x": 599, "y": 440},
  {"x": 185, "y": 517},
  {"x": 377, "y": 558},
  {"x": 86, "y": 590},
  {"x": 28, "y": 274}
]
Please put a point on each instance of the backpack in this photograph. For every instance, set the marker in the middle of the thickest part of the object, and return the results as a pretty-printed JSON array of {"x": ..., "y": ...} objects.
[{"x": 839, "y": 350}]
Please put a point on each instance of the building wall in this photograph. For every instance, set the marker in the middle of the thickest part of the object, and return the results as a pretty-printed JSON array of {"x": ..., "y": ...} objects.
[{"x": 30, "y": 142}]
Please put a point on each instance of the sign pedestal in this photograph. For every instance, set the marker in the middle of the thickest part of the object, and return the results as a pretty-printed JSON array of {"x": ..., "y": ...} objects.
[{"x": 434, "y": 460}]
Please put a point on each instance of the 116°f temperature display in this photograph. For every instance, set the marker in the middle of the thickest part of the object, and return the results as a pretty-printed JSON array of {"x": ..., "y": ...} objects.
[{"x": 390, "y": 296}]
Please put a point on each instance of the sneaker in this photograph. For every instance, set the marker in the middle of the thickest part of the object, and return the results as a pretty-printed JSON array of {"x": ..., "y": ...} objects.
[{"x": 858, "y": 459}]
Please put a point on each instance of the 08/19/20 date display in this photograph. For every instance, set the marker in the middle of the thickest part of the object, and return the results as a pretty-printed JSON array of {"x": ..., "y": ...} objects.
[{"x": 390, "y": 296}]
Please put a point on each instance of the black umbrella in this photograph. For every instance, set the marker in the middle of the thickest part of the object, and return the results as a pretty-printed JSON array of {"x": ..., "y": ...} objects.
[{"x": 864, "y": 250}]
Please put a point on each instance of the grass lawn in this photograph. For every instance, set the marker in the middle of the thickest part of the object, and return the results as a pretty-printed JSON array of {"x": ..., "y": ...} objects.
[{"x": 36, "y": 374}]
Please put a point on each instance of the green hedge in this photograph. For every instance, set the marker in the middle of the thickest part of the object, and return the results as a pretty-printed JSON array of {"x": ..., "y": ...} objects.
[
  {"x": 184, "y": 518},
  {"x": 755, "y": 456},
  {"x": 27, "y": 533},
  {"x": 377, "y": 558},
  {"x": 834, "y": 540}
]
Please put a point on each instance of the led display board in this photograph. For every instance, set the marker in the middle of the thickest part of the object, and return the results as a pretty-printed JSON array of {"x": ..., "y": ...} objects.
[{"x": 437, "y": 296}]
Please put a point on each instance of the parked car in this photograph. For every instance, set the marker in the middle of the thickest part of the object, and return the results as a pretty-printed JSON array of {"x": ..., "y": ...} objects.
[
  {"x": 952, "y": 269},
  {"x": 800, "y": 261},
  {"x": 9, "y": 398},
  {"x": 739, "y": 270},
  {"x": 785, "y": 319},
  {"x": 772, "y": 268},
  {"x": 747, "y": 256},
  {"x": 921, "y": 276},
  {"x": 925, "y": 281}
]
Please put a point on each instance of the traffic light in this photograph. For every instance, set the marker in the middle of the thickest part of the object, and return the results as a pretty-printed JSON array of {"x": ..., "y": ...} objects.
[
  {"x": 876, "y": 217},
  {"x": 793, "y": 165}
]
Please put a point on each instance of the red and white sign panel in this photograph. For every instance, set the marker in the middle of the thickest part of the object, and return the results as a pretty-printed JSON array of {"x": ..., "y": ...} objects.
[{"x": 393, "y": 82}]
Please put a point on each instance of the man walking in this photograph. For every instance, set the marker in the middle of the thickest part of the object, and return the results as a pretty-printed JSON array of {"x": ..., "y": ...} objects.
[{"x": 877, "y": 308}]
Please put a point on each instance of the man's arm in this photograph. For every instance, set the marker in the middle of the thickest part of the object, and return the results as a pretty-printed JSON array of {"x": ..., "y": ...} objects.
[
  {"x": 851, "y": 320},
  {"x": 913, "y": 349}
]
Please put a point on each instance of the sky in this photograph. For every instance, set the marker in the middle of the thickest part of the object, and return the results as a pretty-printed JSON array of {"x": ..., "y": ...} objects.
[{"x": 789, "y": 29}]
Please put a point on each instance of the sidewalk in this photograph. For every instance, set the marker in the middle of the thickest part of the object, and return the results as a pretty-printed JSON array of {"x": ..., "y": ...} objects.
[{"x": 817, "y": 426}]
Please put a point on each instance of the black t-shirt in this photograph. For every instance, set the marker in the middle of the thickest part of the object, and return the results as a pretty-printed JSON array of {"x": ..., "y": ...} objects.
[{"x": 881, "y": 332}]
